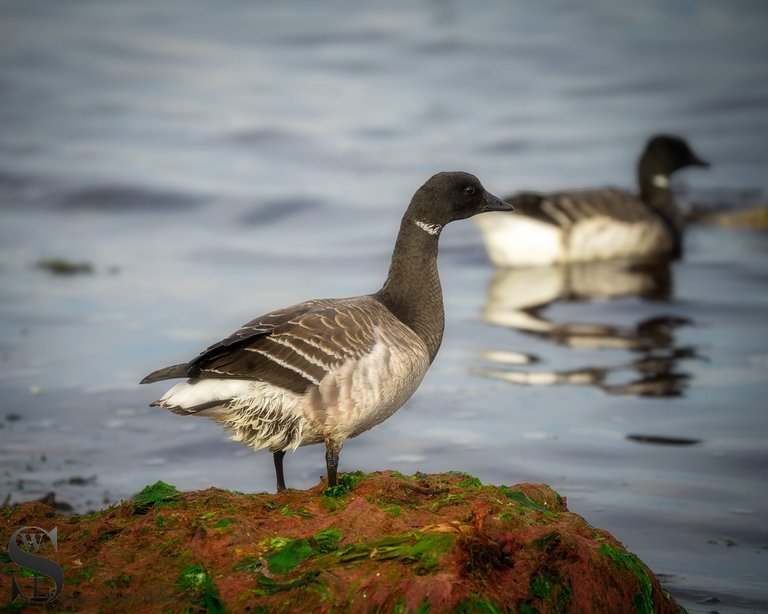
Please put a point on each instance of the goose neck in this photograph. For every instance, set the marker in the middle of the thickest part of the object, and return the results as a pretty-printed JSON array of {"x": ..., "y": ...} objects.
[{"x": 412, "y": 290}]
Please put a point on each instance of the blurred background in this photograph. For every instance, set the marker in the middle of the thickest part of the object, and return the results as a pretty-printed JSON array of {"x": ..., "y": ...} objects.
[{"x": 170, "y": 170}]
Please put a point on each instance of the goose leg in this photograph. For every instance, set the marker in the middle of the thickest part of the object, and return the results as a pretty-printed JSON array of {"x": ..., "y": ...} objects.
[
  {"x": 278, "y": 458},
  {"x": 332, "y": 450}
]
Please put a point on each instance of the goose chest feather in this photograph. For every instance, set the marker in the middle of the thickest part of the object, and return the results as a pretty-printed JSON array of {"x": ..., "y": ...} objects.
[{"x": 329, "y": 369}]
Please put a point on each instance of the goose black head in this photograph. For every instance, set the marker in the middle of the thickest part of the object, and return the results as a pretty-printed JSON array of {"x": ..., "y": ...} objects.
[
  {"x": 665, "y": 153},
  {"x": 451, "y": 196}
]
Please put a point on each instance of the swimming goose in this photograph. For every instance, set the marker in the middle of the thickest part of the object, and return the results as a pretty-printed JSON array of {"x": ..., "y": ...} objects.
[
  {"x": 596, "y": 224},
  {"x": 328, "y": 369}
]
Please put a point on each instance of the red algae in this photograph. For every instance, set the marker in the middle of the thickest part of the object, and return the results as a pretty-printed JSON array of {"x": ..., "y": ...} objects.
[{"x": 382, "y": 542}]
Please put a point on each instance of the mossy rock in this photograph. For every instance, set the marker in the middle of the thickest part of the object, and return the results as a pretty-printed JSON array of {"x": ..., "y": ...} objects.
[{"x": 386, "y": 543}]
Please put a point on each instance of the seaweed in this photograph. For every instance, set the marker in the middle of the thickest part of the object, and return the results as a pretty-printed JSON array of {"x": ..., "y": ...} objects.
[
  {"x": 301, "y": 512},
  {"x": 477, "y": 604},
  {"x": 287, "y": 554},
  {"x": 422, "y": 550},
  {"x": 642, "y": 601},
  {"x": 344, "y": 485},
  {"x": 153, "y": 496},
  {"x": 195, "y": 581},
  {"x": 470, "y": 482},
  {"x": 270, "y": 586},
  {"x": 521, "y": 498},
  {"x": 60, "y": 266}
]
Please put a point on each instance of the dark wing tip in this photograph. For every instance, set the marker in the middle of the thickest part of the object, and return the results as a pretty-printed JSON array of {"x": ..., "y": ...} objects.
[{"x": 167, "y": 373}]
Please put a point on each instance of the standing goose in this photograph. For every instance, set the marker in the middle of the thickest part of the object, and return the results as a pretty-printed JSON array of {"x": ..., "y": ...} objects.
[
  {"x": 328, "y": 369},
  {"x": 596, "y": 224}
]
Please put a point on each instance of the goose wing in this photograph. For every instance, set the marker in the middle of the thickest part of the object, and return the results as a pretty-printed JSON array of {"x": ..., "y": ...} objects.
[
  {"x": 565, "y": 209},
  {"x": 292, "y": 348}
]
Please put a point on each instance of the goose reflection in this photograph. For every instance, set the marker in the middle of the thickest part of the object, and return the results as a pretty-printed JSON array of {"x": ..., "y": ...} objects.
[{"x": 518, "y": 296}]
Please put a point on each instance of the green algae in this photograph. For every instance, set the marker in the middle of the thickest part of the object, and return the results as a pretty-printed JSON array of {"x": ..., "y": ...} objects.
[
  {"x": 401, "y": 607},
  {"x": 452, "y": 499},
  {"x": 524, "y": 500},
  {"x": 60, "y": 266},
  {"x": 270, "y": 586},
  {"x": 344, "y": 484},
  {"x": 85, "y": 573},
  {"x": 120, "y": 581},
  {"x": 301, "y": 512},
  {"x": 422, "y": 550},
  {"x": 249, "y": 563},
  {"x": 547, "y": 542},
  {"x": 286, "y": 509},
  {"x": 161, "y": 522},
  {"x": 196, "y": 582},
  {"x": 153, "y": 496},
  {"x": 287, "y": 554},
  {"x": 643, "y": 601},
  {"x": 333, "y": 504},
  {"x": 334, "y": 497},
  {"x": 470, "y": 482},
  {"x": 106, "y": 535},
  {"x": 549, "y": 587},
  {"x": 540, "y": 586},
  {"x": 477, "y": 604},
  {"x": 170, "y": 546}
]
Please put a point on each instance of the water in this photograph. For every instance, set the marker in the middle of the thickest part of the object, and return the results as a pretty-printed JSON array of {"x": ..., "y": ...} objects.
[{"x": 214, "y": 163}]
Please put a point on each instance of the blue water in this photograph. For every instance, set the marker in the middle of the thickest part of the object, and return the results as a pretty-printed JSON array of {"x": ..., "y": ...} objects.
[{"x": 217, "y": 161}]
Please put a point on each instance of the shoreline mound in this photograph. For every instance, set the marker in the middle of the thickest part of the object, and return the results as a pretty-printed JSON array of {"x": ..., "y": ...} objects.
[{"x": 381, "y": 542}]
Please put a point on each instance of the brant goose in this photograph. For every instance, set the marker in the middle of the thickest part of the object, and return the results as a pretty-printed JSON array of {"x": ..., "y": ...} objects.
[
  {"x": 596, "y": 224},
  {"x": 328, "y": 369}
]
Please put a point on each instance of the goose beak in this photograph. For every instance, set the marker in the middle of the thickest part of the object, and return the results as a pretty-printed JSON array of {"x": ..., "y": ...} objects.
[
  {"x": 696, "y": 161},
  {"x": 493, "y": 203}
]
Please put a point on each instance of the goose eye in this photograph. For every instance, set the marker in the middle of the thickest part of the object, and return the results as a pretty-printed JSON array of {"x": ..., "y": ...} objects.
[{"x": 469, "y": 190}]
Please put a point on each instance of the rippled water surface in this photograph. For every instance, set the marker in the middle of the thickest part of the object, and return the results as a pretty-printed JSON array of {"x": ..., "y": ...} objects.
[{"x": 211, "y": 162}]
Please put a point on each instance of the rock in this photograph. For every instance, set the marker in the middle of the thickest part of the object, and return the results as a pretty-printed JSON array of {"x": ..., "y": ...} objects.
[{"x": 382, "y": 542}]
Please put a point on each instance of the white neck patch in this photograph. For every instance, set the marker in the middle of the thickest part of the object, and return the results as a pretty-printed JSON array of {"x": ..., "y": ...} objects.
[
  {"x": 660, "y": 181},
  {"x": 432, "y": 229}
]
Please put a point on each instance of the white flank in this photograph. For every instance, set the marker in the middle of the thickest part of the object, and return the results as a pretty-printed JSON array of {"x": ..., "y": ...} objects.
[
  {"x": 255, "y": 413},
  {"x": 513, "y": 240},
  {"x": 266, "y": 412},
  {"x": 602, "y": 237},
  {"x": 196, "y": 392},
  {"x": 432, "y": 229}
]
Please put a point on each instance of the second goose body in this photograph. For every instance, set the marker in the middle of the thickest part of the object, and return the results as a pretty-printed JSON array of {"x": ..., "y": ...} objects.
[
  {"x": 596, "y": 224},
  {"x": 329, "y": 369}
]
